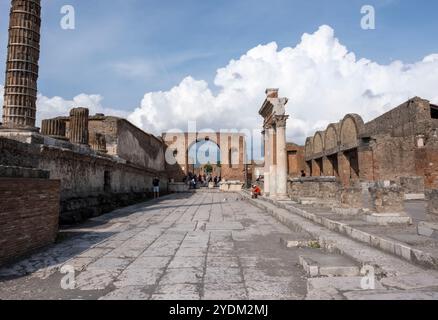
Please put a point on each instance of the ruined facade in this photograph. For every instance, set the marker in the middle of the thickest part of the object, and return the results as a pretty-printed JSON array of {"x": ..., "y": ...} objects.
[
  {"x": 273, "y": 112},
  {"x": 231, "y": 146},
  {"x": 400, "y": 145},
  {"x": 102, "y": 162}
]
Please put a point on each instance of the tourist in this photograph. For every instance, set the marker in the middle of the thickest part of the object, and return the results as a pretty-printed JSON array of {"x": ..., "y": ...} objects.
[
  {"x": 256, "y": 192},
  {"x": 156, "y": 185}
]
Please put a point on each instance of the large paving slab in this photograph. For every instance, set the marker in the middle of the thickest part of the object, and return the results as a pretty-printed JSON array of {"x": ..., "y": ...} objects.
[{"x": 194, "y": 246}]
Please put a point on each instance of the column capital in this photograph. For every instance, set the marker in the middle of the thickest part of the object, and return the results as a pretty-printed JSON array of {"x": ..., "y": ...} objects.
[{"x": 281, "y": 121}]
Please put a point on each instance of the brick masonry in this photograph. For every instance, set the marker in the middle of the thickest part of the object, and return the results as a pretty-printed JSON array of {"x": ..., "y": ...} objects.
[
  {"x": 399, "y": 145},
  {"x": 29, "y": 215}
]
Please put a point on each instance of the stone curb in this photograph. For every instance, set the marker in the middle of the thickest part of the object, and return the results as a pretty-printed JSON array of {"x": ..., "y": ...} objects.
[{"x": 396, "y": 248}]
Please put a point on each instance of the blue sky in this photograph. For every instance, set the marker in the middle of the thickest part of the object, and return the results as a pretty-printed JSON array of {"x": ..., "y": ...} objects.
[{"x": 124, "y": 48}]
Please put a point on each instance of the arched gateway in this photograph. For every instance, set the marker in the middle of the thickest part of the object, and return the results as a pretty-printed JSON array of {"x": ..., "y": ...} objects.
[{"x": 232, "y": 147}]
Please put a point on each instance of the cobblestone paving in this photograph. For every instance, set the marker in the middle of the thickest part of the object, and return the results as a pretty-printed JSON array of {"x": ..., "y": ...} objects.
[{"x": 200, "y": 246}]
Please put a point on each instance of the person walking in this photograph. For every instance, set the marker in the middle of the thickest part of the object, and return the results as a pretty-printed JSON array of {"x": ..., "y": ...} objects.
[{"x": 156, "y": 186}]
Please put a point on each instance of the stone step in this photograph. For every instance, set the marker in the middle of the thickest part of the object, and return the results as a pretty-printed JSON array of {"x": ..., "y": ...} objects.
[
  {"x": 399, "y": 249},
  {"x": 322, "y": 264}
]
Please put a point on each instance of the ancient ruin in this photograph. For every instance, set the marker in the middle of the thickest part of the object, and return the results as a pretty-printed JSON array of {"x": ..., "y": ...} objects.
[
  {"x": 274, "y": 130},
  {"x": 352, "y": 214},
  {"x": 19, "y": 111}
]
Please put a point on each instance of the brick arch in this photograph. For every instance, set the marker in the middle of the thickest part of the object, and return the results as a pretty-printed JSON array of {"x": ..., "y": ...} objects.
[
  {"x": 309, "y": 147},
  {"x": 331, "y": 137},
  {"x": 318, "y": 142},
  {"x": 351, "y": 127}
]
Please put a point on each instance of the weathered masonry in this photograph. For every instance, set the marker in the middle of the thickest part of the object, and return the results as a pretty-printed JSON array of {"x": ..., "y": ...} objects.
[
  {"x": 401, "y": 145},
  {"x": 102, "y": 162},
  {"x": 232, "y": 148},
  {"x": 19, "y": 111},
  {"x": 273, "y": 112}
]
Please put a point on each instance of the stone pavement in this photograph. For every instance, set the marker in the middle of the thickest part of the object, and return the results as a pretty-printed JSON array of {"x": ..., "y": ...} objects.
[{"x": 187, "y": 246}]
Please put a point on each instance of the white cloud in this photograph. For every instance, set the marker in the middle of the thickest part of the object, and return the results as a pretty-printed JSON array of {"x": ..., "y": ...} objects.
[
  {"x": 321, "y": 78},
  {"x": 56, "y": 106}
]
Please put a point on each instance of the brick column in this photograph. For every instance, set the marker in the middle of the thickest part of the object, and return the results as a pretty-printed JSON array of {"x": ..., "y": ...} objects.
[
  {"x": 19, "y": 110},
  {"x": 328, "y": 167},
  {"x": 316, "y": 170},
  {"x": 79, "y": 126},
  {"x": 281, "y": 156},
  {"x": 344, "y": 168},
  {"x": 54, "y": 128}
]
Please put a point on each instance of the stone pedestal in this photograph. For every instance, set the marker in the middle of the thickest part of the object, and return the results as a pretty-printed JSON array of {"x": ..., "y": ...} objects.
[
  {"x": 350, "y": 200},
  {"x": 79, "y": 126},
  {"x": 387, "y": 204}
]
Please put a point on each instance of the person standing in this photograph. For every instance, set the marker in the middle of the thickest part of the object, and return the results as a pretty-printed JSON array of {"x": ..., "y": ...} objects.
[{"x": 156, "y": 185}]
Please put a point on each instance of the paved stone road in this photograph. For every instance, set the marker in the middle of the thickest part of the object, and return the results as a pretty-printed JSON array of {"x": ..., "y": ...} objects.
[{"x": 200, "y": 246}]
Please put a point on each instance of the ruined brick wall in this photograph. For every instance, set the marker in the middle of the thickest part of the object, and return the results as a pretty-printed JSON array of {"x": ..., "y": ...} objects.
[
  {"x": 314, "y": 187},
  {"x": 108, "y": 127},
  {"x": 232, "y": 148},
  {"x": 29, "y": 213},
  {"x": 90, "y": 184},
  {"x": 139, "y": 148},
  {"x": 392, "y": 146},
  {"x": 128, "y": 142},
  {"x": 394, "y": 157},
  {"x": 295, "y": 159},
  {"x": 408, "y": 119}
]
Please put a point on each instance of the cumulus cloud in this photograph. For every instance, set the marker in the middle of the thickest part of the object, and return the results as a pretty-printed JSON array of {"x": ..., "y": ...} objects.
[
  {"x": 322, "y": 79},
  {"x": 57, "y": 106}
]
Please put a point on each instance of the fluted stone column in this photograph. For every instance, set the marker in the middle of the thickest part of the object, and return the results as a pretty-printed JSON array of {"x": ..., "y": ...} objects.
[
  {"x": 19, "y": 110},
  {"x": 267, "y": 173},
  {"x": 98, "y": 142},
  {"x": 54, "y": 128},
  {"x": 79, "y": 126},
  {"x": 281, "y": 156},
  {"x": 273, "y": 162}
]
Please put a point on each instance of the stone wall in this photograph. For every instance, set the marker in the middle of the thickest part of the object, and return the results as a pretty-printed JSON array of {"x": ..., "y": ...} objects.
[
  {"x": 126, "y": 141},
  {"x": 314, "y": 187},
  {"x": 91, "y": 184},
  {"x": 29, "y": 214}
]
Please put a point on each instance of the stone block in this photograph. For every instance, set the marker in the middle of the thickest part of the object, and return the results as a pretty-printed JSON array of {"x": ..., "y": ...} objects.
[
  {"x": 428, "y": 229},
  {"x": 387, "y": 197}
]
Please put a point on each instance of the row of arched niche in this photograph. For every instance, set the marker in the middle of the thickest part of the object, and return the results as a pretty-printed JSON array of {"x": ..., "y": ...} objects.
[{"x": 339, "y": 136}]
